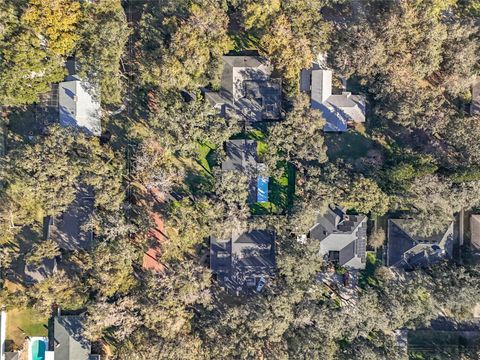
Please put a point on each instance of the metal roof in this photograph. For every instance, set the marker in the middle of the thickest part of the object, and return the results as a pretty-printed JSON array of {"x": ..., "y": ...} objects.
[{"x": 78, "y": 107}]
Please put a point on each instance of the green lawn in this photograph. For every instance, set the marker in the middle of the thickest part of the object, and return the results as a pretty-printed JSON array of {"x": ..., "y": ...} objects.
[
  {"x": 367, "y": 276},
  {"x": 205, "y": 156},
  {"x": 25, "y": 322},
  {"x": 254, "y": 134},
  {"x": 243, "y": 41},
  {"x": 280, "y": 194}
]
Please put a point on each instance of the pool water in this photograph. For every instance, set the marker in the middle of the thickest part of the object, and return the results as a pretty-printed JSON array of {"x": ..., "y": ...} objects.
[
  {"x": 262, "y": 189},
  {"x": 38, "y": 350}
]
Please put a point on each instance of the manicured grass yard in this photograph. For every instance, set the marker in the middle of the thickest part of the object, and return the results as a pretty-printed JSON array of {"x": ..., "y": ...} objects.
[
  {"x": 205, "y": 156},
  {"x": 25, "y": 322},
  {"x": 280, "y": 194}
]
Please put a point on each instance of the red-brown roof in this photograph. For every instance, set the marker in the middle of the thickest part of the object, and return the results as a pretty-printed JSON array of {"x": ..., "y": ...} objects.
[{"x": 157, "y": 233}]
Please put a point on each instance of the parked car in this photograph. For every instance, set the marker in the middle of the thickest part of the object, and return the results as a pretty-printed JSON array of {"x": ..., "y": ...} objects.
[{"x": 261, "y": 284}]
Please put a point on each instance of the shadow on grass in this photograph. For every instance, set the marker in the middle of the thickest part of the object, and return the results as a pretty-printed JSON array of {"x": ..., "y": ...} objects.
[
  {"x": 367, "y": 276},
  {"x": 350, "y": 145},
  {"x": 280, "y": 194}
]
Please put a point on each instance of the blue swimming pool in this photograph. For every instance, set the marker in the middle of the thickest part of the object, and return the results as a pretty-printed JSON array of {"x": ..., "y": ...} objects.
[
  {"x": 262, "y": 189},
  {"x": 38, "y": 349}
]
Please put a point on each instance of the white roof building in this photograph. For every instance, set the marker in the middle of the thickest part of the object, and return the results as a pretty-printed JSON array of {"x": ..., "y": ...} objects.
[
  {"x": 338, "y": 110},
  {"x": 77, "y": 107}
]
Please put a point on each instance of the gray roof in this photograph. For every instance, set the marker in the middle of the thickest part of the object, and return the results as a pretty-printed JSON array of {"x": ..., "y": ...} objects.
[
  {"x": 66, "y": 229},
  {"x": 248, "y": 89},
  {"x": 337, "y": 110},
  {"x": 407, "y": 250},
  {"x": 242, "y": 156},
  {"x": 34, "y": 273},
  {"x": 475, "y": 105},
  {"x": 78, "y": 107},
  {"x": 246, "y": 255},
  {"x": 342, "y": 233},
  {"x": 254, "y": 249},
  {"x": 69, "y": 343},
  {"x": 12, "y": 355},
  {"x": 475, "y": 232}
]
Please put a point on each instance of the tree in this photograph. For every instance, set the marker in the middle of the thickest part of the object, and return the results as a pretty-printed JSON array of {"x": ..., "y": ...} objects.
[
  {"x": 402, "y": 53},
  {"x": 187, "y": 49},
  {"x": 155, "y": 168},
  {"x": 47, "y": 249},
  {"x": 365, "y": 196},
  {"x": 44, "y": 173},
  {"x": 110, "y": 269},
  {"x": 122, "y": 317},
  {"x": 384, "y": 274},
  {"x": 182, "y": 126},
  {"x": 104, "y": 34},
  {"x": 59, "y": 289},
  {"x": 377, "y": 238},
  {"x": 258, "y": 15},
  {"x": 26, "y": 69},
  {"x": 462, "y": 134},
  {"x": 299, "y": 138},
  {"x": 289, "y": 52},
  {"x": 231, "y": 195},
  {"x": 41, "y": 179},
  {"x": 431, "y": 200},
  {"x": 56, "y": 21},
  {"x": 187, "y": 225}
]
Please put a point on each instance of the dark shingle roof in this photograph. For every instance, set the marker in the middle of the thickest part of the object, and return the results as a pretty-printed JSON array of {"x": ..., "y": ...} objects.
[
  {"x": 247, "y": 255},
  {"x": 248, "y": 89},
  {"x": 67, "y": 229},
  {"x": 399, "y": 242},
  {"x": 405, "y": 249},
  {"x": 241, "y": 155}
]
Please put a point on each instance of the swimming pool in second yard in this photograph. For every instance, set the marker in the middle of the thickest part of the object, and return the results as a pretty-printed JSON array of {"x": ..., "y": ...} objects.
[
  {"x": 262, "y": 189},
  {"x": 38, "y": 346}
]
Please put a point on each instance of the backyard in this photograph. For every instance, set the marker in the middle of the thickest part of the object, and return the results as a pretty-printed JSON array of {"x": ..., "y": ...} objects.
[
  {"x": 350, "y": 145},
  {"x": 22, "y": 323}
]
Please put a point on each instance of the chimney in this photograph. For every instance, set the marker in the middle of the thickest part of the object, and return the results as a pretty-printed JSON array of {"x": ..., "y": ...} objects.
[
  {"x": 347, "y": 94},
  {"x": 75, "y": 98}
]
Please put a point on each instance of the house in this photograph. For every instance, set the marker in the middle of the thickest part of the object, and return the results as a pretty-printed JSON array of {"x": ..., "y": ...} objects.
[
  {"x": 339, "y": 110},
  {"x": 67, "y": 229},
  {"x": 4, "y": 354},
  {"x": 242, "y": 156},
  {"x": 247, "y": 90},
  {"x": 67, "y": 340},
  {"x": 342, "y": 237},
  {"x": 35, "y": 273},
  {"x": 78, "y": 104},
  {"x": 475, "y": 104},
  {"x": 475, "y": 232},
  {"x": 239, "y": 263},
  {"x": 409, "y": 251}
]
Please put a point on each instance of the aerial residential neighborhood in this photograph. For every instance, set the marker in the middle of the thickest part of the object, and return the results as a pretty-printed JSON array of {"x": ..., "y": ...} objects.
[{"x": 239, "y": 179}]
